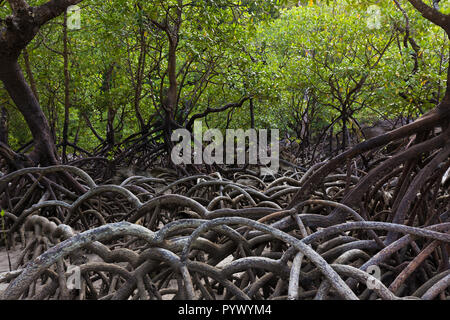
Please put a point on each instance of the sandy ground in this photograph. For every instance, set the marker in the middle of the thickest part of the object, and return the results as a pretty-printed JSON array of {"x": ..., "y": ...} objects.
[{"x": 4, "y": 265}]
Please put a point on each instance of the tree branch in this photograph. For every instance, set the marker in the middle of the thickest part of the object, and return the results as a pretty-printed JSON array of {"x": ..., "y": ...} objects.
[
  {"x": 432, "y": 14},
  {"x": 51, "y": 9},
  {"x": 17, "y": 5},
  {"x": 212, "y": 110}
]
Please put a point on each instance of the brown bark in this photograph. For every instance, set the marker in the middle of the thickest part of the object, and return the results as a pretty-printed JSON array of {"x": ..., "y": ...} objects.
[
  {"x": 110, "y": 132},
  {"x": 66, "y": 92},
  {"x": 252, "y": 115},
  {"x": 172, "y": 72},
  {"x": 107, "y": 84},
  {"x": 170, "y": 101},
  {"x": 12, "y": 77},
  {"x": 4, "y": 125},
  {"x": 139, "y": 79},
  {"x": 432, "y": 14},
  {"x": 29, "y": 73}
]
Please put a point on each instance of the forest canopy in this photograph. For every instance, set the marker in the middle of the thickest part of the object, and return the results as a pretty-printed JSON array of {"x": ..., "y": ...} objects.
[{"x": 315, "y": 60}]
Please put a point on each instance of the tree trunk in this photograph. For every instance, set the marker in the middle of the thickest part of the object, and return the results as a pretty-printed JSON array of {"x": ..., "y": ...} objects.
[
  {"x": 172, "y": 92},
  {"x": 11, "y": 75},
  {"x": 107, "y": 85},
  {"x": 110, "y": 132},
  {"x": 172, "y": 71},
  {"x": 31, "y": 80},
  {"x": 252, "y": 114},
  {"x": 66, "y": 92},
  {"x": 4, "y": 125},
  {"x": 139, "y": 79},
  {"x": 331, "y": 141},
  {"x": 345, "y": 134}
]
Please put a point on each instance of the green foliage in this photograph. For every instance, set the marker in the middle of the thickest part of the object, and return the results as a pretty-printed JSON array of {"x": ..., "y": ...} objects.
[
  {"x": 327, "y": 51},
  {"x": 292, "y": 57}
]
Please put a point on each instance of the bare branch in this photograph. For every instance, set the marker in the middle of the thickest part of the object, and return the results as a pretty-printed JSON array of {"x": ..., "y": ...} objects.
[{"x": 212, "y": 110}]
